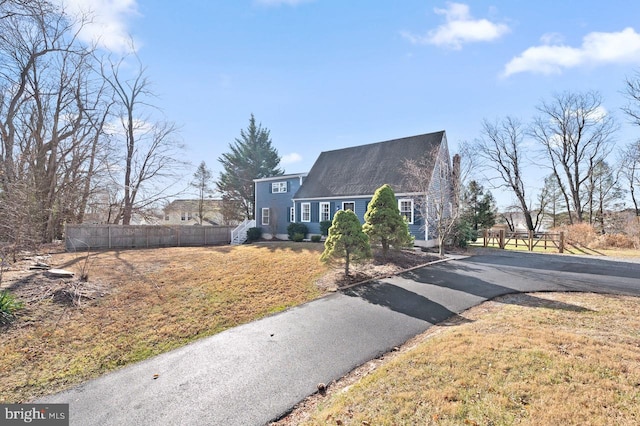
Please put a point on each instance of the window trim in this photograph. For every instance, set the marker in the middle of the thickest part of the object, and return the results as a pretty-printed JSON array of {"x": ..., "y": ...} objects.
[
  {"x": 281, "y": 187},
  {"x": 405, "y": 200},
  {"x": 302, "y": 212},
  {"x": 320, "y": 211},
  {"x": 262, "y": 216},
  {"x": 349, "y": 202}
]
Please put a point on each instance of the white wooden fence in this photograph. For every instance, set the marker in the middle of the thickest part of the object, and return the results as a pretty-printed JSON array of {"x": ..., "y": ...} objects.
[{"x": 89, "y": 237}]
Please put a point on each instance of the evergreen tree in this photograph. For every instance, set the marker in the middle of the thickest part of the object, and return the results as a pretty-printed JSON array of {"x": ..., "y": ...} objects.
[
  {"x": 346, "y": 240},
  {"x": 552, "y": 200},
  {"x": 479, "y": 211},
  {"x": 252, "y": 157},
  {"x": 383, "y": 222}
]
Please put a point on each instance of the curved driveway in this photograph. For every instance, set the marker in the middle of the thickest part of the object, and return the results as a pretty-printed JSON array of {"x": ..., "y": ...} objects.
[{"x": 255, "y": 373}]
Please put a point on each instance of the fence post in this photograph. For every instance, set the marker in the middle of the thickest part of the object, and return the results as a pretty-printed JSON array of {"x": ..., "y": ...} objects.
[
  {"x": 561, "y": 248},
  {"x": 530, "y": 240},
  {"x": 501, "y": 240}
]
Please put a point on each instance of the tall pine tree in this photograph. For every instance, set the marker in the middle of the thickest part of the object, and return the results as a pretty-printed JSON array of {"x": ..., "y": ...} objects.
[{"x": 252, "y": 157}]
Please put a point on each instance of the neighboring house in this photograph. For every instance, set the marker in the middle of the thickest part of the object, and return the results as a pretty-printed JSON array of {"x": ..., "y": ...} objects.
[
  {"x": 185, "y": 212},
  {"x": 347, "y": 179}
]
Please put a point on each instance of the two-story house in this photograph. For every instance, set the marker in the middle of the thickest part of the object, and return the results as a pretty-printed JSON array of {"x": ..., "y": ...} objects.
[{"x": 347, "y": 179}]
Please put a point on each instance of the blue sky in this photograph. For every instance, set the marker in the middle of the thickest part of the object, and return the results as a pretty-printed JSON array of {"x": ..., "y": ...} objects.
[{"x": 327, "y": 74}]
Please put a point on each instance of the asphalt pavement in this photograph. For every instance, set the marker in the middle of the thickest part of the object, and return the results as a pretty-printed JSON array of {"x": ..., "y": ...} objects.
[{"x": 254, "y": 373}]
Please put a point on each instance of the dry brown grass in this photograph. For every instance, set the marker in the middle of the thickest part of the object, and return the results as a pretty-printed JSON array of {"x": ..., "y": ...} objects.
[
  {"x": 545, "y": 360},
  {"x": 151, "y": 301},
  {"x": 139, "y": 303},
  {"x": 614, "y": 241}
]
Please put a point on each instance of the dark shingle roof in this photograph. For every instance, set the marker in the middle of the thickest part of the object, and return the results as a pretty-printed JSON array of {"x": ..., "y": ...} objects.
[{"x": 360, "y": 170}]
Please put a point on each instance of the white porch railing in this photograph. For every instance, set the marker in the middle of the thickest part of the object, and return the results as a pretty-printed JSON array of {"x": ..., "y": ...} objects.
[{"x": 239, "y": 235}]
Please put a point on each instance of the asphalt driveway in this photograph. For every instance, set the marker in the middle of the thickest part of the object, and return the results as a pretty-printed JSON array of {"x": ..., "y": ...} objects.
[{"x": 254, "y": 373}]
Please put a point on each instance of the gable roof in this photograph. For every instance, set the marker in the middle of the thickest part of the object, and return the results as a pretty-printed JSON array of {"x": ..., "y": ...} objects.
[{"x": 360, "y": 170}]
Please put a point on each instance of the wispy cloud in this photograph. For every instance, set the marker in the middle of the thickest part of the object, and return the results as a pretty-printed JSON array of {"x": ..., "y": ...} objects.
[
  {"x": 294, "y": 157},
  {"x": 597, "y": 48},
  {"x": 281, "y": 2},
  {"x": 460, "y": 28},
  {"x": 109, "y": 21}
]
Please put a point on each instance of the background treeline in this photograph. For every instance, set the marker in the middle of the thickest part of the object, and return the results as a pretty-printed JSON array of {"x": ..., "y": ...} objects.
[{"x": 78, "y": 130}]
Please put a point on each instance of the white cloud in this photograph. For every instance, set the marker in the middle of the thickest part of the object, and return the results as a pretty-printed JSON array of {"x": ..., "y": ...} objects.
[
  {"x": 460, "y": 28},
  {"x": 109, "y": 21},
  {"x": 281, "y": 2},
  {"x": 597, "y": 49},
  {"x": 294, "y": 157}
]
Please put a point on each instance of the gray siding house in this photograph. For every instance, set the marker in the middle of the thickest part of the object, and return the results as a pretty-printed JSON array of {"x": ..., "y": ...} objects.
[{"x": 347, "y": 179}]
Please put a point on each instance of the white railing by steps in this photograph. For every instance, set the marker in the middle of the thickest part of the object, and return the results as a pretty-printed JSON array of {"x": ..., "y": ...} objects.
[{"x": 239, "y": 235}]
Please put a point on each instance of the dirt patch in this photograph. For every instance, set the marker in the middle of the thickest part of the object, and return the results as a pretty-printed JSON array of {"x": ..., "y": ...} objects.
[{"x": 379, "y": 267}]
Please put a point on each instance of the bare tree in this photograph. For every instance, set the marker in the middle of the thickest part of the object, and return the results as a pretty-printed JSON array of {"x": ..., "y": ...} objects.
[
  {"x": 202, "y": 182},
  {"x": 48, "y": 108},
  {"x": 604, "y": 192},
  {"x": 630, "y": 173},
  {"x": 151, "y": 159},
  {"x": 501, "y": 148},
  {"x": 430, "y": 178},
  {"x": 575, "y": 132},
  {"x": 630, "y": 156}
]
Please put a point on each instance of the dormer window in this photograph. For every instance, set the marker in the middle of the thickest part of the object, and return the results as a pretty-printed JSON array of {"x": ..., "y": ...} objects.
[{"x": 278, "y": 187}]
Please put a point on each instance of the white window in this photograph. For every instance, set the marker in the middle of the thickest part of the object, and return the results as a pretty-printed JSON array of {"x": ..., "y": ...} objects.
[
  {"x": 325, "y": 212},
  {"x": 349, "y": 205},
  {"x": 292, "y": 214},
  {"x": 305, "y": 212},
  {"x": 406, "y": 209},
  {"x": 278, "y": 187},
  {"x": 186, "y": 216},
  {"x": 265, "y": 215}
]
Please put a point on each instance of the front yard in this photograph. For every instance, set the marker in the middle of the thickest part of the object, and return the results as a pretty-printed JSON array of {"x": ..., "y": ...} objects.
[
  {"x": 144, "y": 302},
  {"x": 139, "y": 303}
]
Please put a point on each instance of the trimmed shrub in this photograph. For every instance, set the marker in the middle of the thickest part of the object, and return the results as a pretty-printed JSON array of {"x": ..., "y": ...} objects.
[
  {"x": 298, "y": 237},
  {"x": 296, "y": 228},
  {"x": 316, "y": 238},
  {"x": 254, "y": 234},
  {"x": 8, "y": 306},
  {"x": 346, "y": 240},
  {"x": 383, "y": 222},
  {"x": 324, "y": 227}
]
